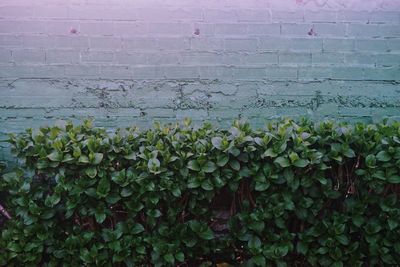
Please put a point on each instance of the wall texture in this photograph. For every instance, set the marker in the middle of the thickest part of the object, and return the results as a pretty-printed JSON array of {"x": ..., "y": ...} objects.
[{"x": 132, "y": 61}]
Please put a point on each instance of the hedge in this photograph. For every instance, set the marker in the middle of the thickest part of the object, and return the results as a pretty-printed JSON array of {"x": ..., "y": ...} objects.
[{"x": 293, "y": 194}]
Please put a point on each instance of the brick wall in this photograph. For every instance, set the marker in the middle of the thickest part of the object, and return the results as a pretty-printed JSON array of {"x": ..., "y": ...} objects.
[{"x": 132, "y": 61}]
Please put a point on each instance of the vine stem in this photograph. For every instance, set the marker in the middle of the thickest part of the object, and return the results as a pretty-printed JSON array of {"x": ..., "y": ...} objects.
[{"x": 5, "y": 212}]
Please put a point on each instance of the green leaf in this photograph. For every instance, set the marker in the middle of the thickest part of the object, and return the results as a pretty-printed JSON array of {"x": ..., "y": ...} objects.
[
  {"x": 100, "y": 217},
  {"x": 222, "y": 160},
  {"x": 207, "y": 234},
  {"x": 394, "y": 179},
  {"x": 302, "y": 248},
  {"x": 301, "y": 163},
  {"x": 180, "y": 256},
  {"x": 137, "y": 229},
  {"x": 370, "y": 161},
  {"x": 283, "y": 162},
  {"x": 207, "y": 185},
  {"x": 103, "y": 188},
  {"x": 55, "y": 156},
  {"x": 383, "y": 156},
  {"x": 209, "y": 167},
  {"x": 216, "y": 142},
  {"x": 169, "y": 258},
  {"x": 234, "y": 164},
  {"x": 259, "y": 260},
  {"x": 91, "y": 172},
  {"x": 254, "y": 243},
  {"x": 98, "y": 157},
  {"x": 194, "y": 165},
  {"x": 342, "y": 239}
]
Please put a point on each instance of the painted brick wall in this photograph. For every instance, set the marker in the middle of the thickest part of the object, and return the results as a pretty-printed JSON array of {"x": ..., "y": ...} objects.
[{"x": 132, "y": 61}]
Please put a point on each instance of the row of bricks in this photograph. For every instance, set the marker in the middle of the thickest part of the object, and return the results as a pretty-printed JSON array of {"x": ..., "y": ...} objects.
[
  {"x": 191, "y": 29},
  {"x": 133, "y": 13},
  {"x": 143, "y": 44},
  {"x": 30, "y": 56},
  {"x": 203, "y": 72}
]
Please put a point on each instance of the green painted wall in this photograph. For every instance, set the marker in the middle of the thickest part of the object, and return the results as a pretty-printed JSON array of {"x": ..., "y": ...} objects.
[{"x": 133, "y": 62}]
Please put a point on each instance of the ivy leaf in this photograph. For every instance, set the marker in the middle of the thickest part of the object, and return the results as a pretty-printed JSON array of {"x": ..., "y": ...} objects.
[{"x": 103, "y": 188}]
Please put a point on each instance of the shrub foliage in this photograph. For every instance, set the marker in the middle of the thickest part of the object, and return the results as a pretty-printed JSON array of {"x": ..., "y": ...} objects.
[{"x": 292, "y": 194}]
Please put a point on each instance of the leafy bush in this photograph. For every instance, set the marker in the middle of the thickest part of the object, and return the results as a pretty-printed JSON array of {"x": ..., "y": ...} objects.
[{"x": 293, "y": 194}]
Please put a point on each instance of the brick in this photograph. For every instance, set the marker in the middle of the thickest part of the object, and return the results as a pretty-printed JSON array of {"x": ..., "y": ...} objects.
[
  {"x": 330, "y": 29},
  {"x": 62, "y": 27},
  {"x": 206, "y": 44},
  {"x": 37, "y": 41},
  {"x": 230, "y": 29},
  {"x": 249, "y": 73},
  {"x": 281, "y": 73},
  {"x": 253, "y": 15},
  {"x": 140, "y": 44},
  {"x": 16, "y": 71},
  {"x": 232, "y": 58},
  {"x": 308, "y": 44},
  {"x": 204, "y": 29},
  {"x": 260, "y": 59},
  {"x": 16, "y": 11},
  {"x": 216, "y": 72},
  {"x": 295, "y": 58},
  {"x": 105, "y": 43},
  {"x": 76, "y": 42},
  {"x": 169, "y": 58},
  {"x": 49, "y": 71},
  {"x": 28, "y": 56},
  {"x": 263, "y": 29},
  {"x": 116, "y": 72},
  {"x": 274, "y": 44},
  {"x": 368, "y": 30},
  {"x": 338, "y": 45},
  {"x": 288, "y": 16},
  {"x": 62, "y": 57},
  {"x": 5, "y": 56},
  {"x": 130, "y": 29},
  {"x": 168, "y": 14},
  {"x": 315, "y": 73},
  {"x": 14, "y": 27},
  {"x": 97, "y": 56},
  {"x": 327, "y": 58},
  {"x": 371, "y": 45},
  {"x": 353, "y": 16},
  {"x": 360, "y": 59},
  {"x": 348, "y": 73},
  {"x": 172, "y": 43},
  {"x": 10, "y": 41},
  {"x": 101, "y": 28},
  {"x": 192, "y": 113},
  {"x": 393, "y": 44},
  {"x": 383, "y": 74},
  {"x": 203, "y": 58},
  {"x": 241, "y": 44},
  {"x": 170, "y": 29},
  {"x": 218, "y": 15},
  {"x": 174, "y": 72},
  {"x": 148, "y": 72},
  {"x": 390, "y": 17},
  {"x": 320, "y": 16},
  {"x": 51, "y": 11},
  {"x": 83, "y": 71},
  {"x": 387, "y": 59},
  {"x": 101, "y": 13},
  {"x": 130, "y": 58}
]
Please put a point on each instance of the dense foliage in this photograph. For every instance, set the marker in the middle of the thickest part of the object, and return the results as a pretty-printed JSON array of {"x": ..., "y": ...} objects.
[{"x": 292, "y": 194}]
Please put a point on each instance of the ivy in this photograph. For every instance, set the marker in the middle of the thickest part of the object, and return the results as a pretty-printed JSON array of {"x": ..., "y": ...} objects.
[{"x": 291, "y": 194}]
